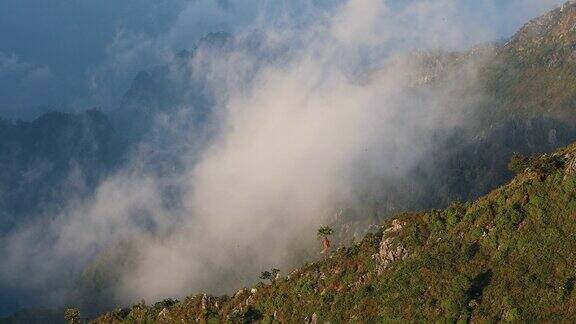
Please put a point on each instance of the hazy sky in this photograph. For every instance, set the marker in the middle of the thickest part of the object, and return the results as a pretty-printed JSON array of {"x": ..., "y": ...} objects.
[{"x": 74, "y": 54}]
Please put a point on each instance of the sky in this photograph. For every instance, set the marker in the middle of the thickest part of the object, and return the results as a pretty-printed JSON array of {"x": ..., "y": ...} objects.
[{"x": 74, "y": 55}]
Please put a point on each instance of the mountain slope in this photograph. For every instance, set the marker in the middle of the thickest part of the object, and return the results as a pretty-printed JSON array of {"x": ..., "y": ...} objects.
[
  {"x": 530, "y": 94},
  {"x": 535, "y": 72},
  {"x": 47, "y": 161},
  {"x": 508, "y": 256}
]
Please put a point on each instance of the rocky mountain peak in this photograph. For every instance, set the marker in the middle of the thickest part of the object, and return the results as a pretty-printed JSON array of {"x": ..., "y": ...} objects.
[{"x": 558, "y": 24}]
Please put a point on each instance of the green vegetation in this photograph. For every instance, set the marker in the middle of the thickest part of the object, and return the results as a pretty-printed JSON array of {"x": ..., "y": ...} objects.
[
  {"x": 534, "y": 73},
  {"x": 523, "y": 102},
  {"x": 270, "y": 275},
  {"x": 518, "y": 163},
  {"x": 72, "y": 316},
  {"x": 506, "y": 257},
  {"x": 323, "y": 234},
  {"x": 267, "y": 275}
]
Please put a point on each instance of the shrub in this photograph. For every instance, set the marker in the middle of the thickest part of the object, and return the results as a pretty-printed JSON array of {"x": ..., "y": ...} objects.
[
  {"x": 72, "y": 316},
  {"x": 518, "y": 163}
]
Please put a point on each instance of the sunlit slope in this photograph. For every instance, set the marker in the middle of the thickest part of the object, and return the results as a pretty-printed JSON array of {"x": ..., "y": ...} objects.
[
  {"x": 535, "y": 72},
  {"x": 507, "y": 256}
]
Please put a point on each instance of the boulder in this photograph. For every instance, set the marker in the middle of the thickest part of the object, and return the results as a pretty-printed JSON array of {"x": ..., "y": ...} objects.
[{"x": 387, "y": 253}]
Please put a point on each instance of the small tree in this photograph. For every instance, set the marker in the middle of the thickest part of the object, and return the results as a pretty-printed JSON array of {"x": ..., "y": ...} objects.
[
  {"x": 275, "y": 273},
  {"x": 266, "y": 275},
  {"x": 518, "y": 163},
  {"x": 270, "y": 275},
  {"x": 72, "y": 316},
  {"x": 323, "y": 235}
]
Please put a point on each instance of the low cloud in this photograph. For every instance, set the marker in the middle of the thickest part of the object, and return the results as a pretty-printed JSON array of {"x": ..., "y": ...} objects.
[{"x": 291, "y": 138}]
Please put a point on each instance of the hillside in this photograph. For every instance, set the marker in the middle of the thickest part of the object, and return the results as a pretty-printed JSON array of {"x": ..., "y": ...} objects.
[
  {"x": 527, "y": 106},
  {"x": 534, "y": 73},
  {"x": 507, "y": 256}
]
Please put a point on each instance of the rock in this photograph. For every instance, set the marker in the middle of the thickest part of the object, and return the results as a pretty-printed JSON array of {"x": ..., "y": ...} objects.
[
  {"x": 239, "y": 292},
  {"x": 396, "y": 226},
  {"x": 253, "y": 290},
  {"x": 387, "y": 255},
  {"x": 164, "y": 312},
  {"x": 314, "y": 319},
  {"x": 570, "y": 167},
  {"x": 205, "y": 301}
]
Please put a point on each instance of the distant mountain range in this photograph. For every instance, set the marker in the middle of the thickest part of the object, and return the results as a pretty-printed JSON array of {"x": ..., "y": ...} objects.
[{"x": 53, "y": 159}]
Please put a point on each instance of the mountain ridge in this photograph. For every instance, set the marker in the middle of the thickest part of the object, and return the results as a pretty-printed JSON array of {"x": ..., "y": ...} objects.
[
  {"x": 504, "y": 257},
  {"x": 450, "y": 264}
]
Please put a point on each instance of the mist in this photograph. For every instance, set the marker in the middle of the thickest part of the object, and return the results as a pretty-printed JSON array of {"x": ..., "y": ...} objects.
[{"x": 340, "y": 95}]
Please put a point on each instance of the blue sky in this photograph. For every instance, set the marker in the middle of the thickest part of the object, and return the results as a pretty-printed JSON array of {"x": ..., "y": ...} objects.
[{"x": 61, "y": 54}]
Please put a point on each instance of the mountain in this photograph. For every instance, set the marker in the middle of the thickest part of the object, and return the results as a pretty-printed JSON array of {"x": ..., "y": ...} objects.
[
  {"x": 455, "y": 260},
  {"x": 61, "y": 158},
  {"x": 181, "y": 84},
  {"x": 534, "y": 73},
  {"x": 505, "y": 257},
  {"x": 526, "y": 105},
  {"x": 45, "y": 164},
  {"x": 51, "y": 160}
]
